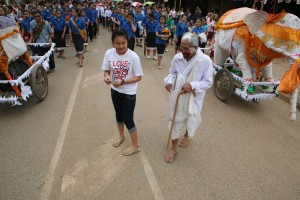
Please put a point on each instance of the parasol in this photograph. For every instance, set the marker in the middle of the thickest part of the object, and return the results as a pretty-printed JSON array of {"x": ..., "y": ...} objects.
[
  {"x": 148, "y": 3},
  {"x": 136, "y": 4}
]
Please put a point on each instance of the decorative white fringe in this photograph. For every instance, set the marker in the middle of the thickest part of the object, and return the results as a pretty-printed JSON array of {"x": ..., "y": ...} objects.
[
  {"x": 26, "y": 91},
  {"x": 254, "y": 97}
]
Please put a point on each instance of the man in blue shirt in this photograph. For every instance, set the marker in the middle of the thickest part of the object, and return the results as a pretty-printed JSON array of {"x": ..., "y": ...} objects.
[
  {"x": 41, "y": 32},
  {"x": 88, "y": 13},
  {"x": 25, "y": 25},
  {"x": 181, "y": 28},
  {"x": 114, "y": 19},
  {"x": 130, "y": 28},
  {"x": 47, "y": 12},
  {"x": 94, "y": 16}
]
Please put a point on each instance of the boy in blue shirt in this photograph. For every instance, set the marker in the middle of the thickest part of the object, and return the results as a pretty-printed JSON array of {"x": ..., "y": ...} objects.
[
  {"x": 25, "y": 25},
  {"x": 130, "y": 28}
]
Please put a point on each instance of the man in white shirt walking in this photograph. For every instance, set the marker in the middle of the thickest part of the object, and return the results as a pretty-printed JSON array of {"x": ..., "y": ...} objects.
[{"x": 191, "y": 74}]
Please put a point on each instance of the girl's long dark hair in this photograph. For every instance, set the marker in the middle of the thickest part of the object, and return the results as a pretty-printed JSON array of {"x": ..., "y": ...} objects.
[{"x": 119, "y": 32}]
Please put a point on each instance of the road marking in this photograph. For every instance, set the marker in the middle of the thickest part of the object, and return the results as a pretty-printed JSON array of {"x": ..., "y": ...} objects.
[
  {"x": 151, "y": 178},
  {"x": 92, "y": 176},
  {"x": 49, "y": 179},
  {"x": 70, "y": 179}
]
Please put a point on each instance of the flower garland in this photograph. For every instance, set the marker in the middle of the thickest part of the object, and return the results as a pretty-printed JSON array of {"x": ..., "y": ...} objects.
[{"x": 7, "y": 35}]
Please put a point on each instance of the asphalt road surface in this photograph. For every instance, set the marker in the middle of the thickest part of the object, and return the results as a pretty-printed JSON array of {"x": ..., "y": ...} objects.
[{"x": 61, "y": 148}]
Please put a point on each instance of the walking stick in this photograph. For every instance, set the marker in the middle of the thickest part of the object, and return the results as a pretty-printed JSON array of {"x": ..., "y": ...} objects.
[
  {"x": 173, "y": 120},
  {"x": 174, "y": 116}
]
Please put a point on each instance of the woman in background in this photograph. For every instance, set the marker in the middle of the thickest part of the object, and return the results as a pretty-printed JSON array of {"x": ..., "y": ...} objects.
[
  {"x": 76, "y": 23},
  {"x": 59, "y": 26}
]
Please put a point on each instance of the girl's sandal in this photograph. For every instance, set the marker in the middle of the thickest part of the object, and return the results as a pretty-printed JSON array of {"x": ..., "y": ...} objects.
[
  {"x": 118, "y": 142},
  {"x": 130, "y": 151}
]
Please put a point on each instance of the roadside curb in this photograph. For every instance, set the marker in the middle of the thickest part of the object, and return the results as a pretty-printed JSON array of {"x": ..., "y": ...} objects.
[{"x": 287, "y": 99}]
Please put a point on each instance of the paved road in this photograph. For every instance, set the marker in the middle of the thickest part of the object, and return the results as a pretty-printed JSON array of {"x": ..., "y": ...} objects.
[{"x": 61, "y": 148}]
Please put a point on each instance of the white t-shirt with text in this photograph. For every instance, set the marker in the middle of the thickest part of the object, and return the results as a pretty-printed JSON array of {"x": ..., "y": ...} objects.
[{"x": 123, "y": 67}]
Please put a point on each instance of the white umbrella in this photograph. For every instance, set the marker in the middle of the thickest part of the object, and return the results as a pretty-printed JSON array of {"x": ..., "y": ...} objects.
[{"x": 136, "y": 4}]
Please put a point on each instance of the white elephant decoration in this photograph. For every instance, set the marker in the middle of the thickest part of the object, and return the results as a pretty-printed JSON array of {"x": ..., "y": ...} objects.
[{"x": 254, "y": 39}]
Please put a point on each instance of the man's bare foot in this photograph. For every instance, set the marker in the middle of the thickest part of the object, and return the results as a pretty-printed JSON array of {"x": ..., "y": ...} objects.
[
  {"x": 185, "y": 141},
  {"x": 169, "y": 158}
]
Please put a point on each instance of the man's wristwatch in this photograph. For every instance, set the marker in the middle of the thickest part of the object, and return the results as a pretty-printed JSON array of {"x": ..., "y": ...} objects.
[{"x": 123, "y": 82}]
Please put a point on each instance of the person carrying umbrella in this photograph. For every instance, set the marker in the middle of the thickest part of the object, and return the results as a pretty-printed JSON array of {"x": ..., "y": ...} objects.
[{"x": 191, "y": 74}]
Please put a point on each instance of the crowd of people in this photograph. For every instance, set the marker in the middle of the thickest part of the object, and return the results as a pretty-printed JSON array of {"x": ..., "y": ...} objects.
[{"x": 78, "y": 22}]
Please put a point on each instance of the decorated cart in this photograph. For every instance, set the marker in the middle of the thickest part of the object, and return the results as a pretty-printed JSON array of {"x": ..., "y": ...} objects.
[
  {"x": 229, "y": 81},
  {"x": 254, "y": 39},
  {"x": 21, "y": 75}
]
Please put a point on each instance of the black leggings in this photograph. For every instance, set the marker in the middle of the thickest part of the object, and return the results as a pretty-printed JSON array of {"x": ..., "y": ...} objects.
[
  {"x": 124, "y": 105},
  {"x": 91, "y": 30},
  {"x": 131, "y": 43},
  {"x": 95, "y": 28}
]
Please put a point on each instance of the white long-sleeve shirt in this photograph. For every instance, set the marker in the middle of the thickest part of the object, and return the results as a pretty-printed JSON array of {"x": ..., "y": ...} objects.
[{"x": 204, "y": 80}]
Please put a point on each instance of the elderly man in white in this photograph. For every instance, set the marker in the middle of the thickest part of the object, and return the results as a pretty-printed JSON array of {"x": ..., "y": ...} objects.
[{"x": 191, "y": 74}]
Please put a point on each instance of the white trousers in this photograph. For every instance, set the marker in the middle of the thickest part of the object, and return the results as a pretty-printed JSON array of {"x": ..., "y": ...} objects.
[{"x": 191, "y": 123}]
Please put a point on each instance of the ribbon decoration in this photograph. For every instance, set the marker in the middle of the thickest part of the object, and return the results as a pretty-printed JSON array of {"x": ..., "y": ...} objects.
[{"x": 26, "y": 91}]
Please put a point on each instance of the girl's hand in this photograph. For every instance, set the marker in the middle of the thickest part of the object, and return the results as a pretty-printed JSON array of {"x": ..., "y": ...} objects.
[
  {"x": 117, "y": 83},
  {"x": 107, "y": 80}
]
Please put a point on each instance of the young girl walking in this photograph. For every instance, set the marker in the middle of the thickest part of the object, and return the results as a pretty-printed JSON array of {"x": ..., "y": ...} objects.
[
  {"x": 122, "y": 70},
  {"x": 162, "y": 35},
  {"x": 59, "y": 26},
  {"x": 86, "y": 22},
  {"x": 77, "y": 24}
]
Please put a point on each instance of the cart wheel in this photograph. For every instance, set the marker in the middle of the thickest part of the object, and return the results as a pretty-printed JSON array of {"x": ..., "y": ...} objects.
[
  {"x": 39, "y": 82},
  {"x": 223, "y": 84}
]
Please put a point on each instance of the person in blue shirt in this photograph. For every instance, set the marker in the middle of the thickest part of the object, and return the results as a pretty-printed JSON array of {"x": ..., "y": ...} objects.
[
  {"x": 59, "y": 26},
  {"x": 47, "y": 12},
  {"x": 146, "y": 17},
  {"x": 94, "y": 20},
  {"x": 181, "y": 28},
  {"x": 150, "y": 34},
  {"x": 203, "y": 24},
  {"x": 88, "y": 13},
  {"x": 130, "y": 28},
  {"x": 86, "y": 21},
  {"x": 25, "y": 25},
  {"x": 114, "y": 19},
  {"x": 53, "y": 16},
  {"x": 74, "y": 34},
  {"x": 199, "y": 29},
  {"x": 122, "y": 18},
  {"x": 161, "y": 38},
  {"x": 41, "y": 32},
  {"x": 157, "y": 13},
  {"x": 139, "y": 17}
]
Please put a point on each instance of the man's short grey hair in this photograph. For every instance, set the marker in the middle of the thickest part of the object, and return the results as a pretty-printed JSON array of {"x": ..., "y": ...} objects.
[{"x": 192, "y": 38}]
